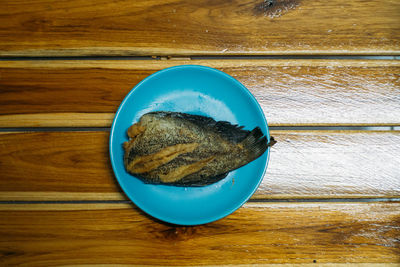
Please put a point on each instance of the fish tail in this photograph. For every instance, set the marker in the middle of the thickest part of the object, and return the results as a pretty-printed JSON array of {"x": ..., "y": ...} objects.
[{"x": 256, "y": 143}]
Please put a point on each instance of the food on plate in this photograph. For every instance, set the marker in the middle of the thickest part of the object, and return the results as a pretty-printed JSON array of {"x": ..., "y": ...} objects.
[{"x": 189, "y": 150}]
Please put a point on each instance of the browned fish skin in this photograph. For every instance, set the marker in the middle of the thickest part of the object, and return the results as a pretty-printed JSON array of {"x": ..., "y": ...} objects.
[{"x": 188, "y": 150}]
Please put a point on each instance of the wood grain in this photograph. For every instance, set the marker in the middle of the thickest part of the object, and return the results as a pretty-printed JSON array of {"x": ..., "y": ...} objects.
[
  {"x": 99, "y": 27},
  {"x": 291, "y": 92},
  {"x": 58, "y": 161},
  {"x": 70, "y": 234},
  {"x": 303, "y": 164}
]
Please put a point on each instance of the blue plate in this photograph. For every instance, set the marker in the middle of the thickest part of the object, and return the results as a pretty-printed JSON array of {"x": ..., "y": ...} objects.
[{"x": 196, "y": 90}]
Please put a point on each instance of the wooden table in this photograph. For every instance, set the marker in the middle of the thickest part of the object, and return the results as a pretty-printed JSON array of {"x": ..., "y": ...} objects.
[{"x": 324, "y": 72}]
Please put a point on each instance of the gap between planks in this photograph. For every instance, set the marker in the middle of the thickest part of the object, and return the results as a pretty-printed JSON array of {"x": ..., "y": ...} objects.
[
  {"x": 271, "y": 128},
  {"x": 129, "y": 205},
  {"x": 120, "y": 198},
  {"x": 167, "y": 52},
  {"x": 204, "y": 57},
  {"x": 259, "y": 265},
  {"x": 217, "y": 63},
  {"x": 251, "y": 202},
  {"x": 87, "y": 121}
]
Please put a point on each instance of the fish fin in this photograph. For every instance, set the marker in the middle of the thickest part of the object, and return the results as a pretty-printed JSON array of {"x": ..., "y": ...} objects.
[
  {"x": 255, "y": 143},
  {"x": 272, "y": 141},
  {"x": 200, "y": 182},
  {"x": 135, "y": 130},
  {"x": 198, "y": 120},
  {"x": 231, "y": 132},
  {"x": 185, "y": 182}
]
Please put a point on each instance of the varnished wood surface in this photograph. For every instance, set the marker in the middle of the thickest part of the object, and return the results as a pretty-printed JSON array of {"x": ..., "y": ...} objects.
[
  {"x": 99, "y": 27},
  {"x": 291, "y": 92},
  {"x": 65, "y": 234},
  {"x": 60, "y": 204},
  {"x": 303, "y": 164},
  {"x": 76, "y": 162}
]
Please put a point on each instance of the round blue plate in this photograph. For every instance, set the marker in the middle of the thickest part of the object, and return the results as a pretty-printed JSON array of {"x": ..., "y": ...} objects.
[{"x": 196, "y": 90}]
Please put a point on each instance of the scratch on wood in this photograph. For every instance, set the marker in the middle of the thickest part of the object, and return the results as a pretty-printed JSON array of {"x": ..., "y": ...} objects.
[{"x": 275, "y": 8}]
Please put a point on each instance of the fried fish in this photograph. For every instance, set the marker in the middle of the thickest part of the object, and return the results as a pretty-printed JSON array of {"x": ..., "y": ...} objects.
[{"x": 189, "y": 150}]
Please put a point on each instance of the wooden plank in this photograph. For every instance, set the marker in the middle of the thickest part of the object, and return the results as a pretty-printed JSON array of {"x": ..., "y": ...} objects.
[
  {"x": 303, "y": 164},
  {"x": 70, "y": 234},
  {"x": 291, "y": 92},
  {"x": 80, "y": 28},
  {"x": 75, "y": 162},
  {"x": 332, "y": 164}
]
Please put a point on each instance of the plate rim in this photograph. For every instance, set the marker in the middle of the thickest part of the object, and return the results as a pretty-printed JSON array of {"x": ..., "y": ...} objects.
[{"x": 211, "y": 218}]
